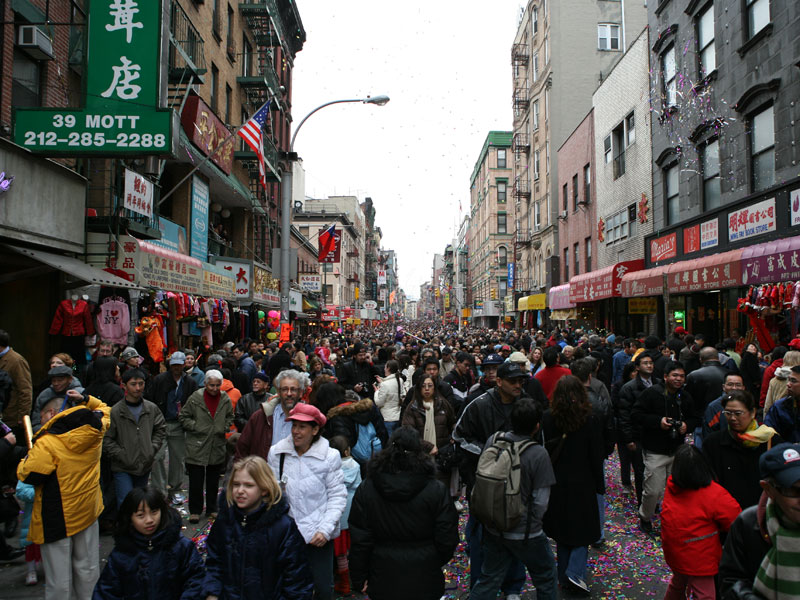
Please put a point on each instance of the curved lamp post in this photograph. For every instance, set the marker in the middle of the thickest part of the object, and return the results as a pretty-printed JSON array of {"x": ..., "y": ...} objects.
[{"x": 286, "y": 200}]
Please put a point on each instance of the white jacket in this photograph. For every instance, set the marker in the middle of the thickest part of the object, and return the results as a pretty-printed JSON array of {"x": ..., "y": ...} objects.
[
  {"x": 387, "y": 398},
  {"x": 315, "y": 487}
]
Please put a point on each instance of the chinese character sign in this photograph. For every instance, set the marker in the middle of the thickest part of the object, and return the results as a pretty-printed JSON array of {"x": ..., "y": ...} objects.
[
  {"x": 752, "y": 221},
  {"x": 199, "y": 219},
  {"x": 381, "y": 277},
  {"x": 709, "y": 234},
  {"x": 138, "y": 194},
  {"x": 510, "y": 276}
]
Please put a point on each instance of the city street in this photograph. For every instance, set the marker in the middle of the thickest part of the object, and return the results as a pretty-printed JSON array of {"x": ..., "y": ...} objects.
[{"x": 630, "y": 565}]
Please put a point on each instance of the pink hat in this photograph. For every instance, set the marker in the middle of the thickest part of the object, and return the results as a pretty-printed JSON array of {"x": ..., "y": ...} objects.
[{"x": 308, "y": 413}]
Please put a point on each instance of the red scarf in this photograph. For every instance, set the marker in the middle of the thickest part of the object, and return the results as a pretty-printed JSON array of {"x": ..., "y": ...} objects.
[{"x": 212, "y": 402}]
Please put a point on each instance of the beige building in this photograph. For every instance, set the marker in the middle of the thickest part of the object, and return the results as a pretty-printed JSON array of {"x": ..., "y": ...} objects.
[
  {"x": 561, "y": 52},
  {"x": 490, "y": 239}
]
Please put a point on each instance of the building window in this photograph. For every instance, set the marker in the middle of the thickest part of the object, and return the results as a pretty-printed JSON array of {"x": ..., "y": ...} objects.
[
  {"x": 501, "y": 223},
  {"x": 214, "y": 85},
  {"x": 712, "y": 196},
  {"x": 502, "y": 256},
  {"x": 535, "y": 67},
  {"x": 705, "y": 41},
  {"x": 566, "y": 264},
  {"x": 566, "y": 197},
  {"x": 587, "y": 183},
  {"x": 621, "y": 225},
  {"x": 669, "y": 77},
  {"x": 536, "y": 165},
  {"x": 607, "y": 149},
  {"x": 607, "y": 36},
  {"x": 575, "y": 193},
  {"x": 630, "y": 130},
  {"x": 231, "y": 44},
  {"x": 26, "y": 89},
  {"x": 228, "y": 92},
  {"x": 618, "y": 142},
  {"x": 547, "y": 156},
  {"x": 757, "y": 16},
  {"x": 247, "y": 56},
  {"x": 632, "y": 220},
  {"x": 671, "y": 188},
  {"x": 587, "y": 244},
  {"x": 537, "y": 214},
  {"x": 535, "y": 19},
  {"x": 501, "y": 158},
  {"x": 762, "y": 148},
  {"x": 501, "y": 191},
  {"x": 576, "y": 251},
  {"x": 535, "y": 115},
  {"x": 216, "y": 18}
]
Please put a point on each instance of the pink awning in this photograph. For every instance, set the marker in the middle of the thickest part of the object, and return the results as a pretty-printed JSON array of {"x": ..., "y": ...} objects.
[
  {"x": 558, "y": 297},
  {"x": 771, "y": 262}
]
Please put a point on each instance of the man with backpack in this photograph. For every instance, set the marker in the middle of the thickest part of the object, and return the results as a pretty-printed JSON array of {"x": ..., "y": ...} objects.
[{"x": 510, "y": 497}]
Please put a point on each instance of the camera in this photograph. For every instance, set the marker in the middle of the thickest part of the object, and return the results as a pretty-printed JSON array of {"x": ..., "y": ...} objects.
[{"x": 674, "y": 428}]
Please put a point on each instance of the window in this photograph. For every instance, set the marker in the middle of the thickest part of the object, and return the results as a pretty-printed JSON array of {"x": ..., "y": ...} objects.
[
  {"x": 547, "y": 156},
  {"x": 575, "y": 194},
  {"x": 757, "y": 16},
  {"x": 632, "y": 220},
  {"x": 535, "y": 115},
  {"x": 535, "y": 67},
  {"x": 502, "y": 191},
  {"x": 671, "y": 185},
  {"x": 230, "y": 42},
  {"x": 536, "y": 165},
  {"x": 228, "y": 92},
  {"x": 26, "y": 89},
  {"x": 501, "y": 158},
  {"x": 501, "y": 222},
  {"x": 216, "y": 17},
  {"x": 535, "y": 19},
  {"x": 607, "y": 149},
  {"x": 587, "y": 183},
  {"x": 630, "y": 130},
  {"x": 607, "y": 36},
  {"x": 668, "y": 77},
  {"x": 502, "y": 256},
  {"x": 762, "y": 148},
  {"x": 620, "y": 225},
  {"x": 537, "y": 214},
  {"x": 247, "y": 56},
  {"x": 577, "y": 255},
  {"x": 566, "y": 264},
  {"x": 587, "y": 244},
  {"x": 705, "y": 41},
  {"x": 214, "y": 84},
  {"x": 618, "y": 142},
  {"x": 711, "y": 182},
  {"x": 566, "y": 197}
]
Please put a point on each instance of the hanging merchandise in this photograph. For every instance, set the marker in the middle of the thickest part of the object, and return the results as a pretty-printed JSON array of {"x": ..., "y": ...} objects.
[
  {"x": 150, "y": 328},
  {"x": 771, "y": 310},
  {"x": 73, "y": 318}
]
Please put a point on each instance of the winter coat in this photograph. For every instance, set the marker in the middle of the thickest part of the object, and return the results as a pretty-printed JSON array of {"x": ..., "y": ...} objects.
[
  {"x": 257, "y": 556},
  {"x": 205, "y": 435},
  {"x": 736, "y": 466},
  {"x": 628, "y": 430},
  {"x": 572, "y": 516},
  {"x": 784, "y": 417},
  {"x": 769, "y": 373},
  {"x": 352, "y": 373},
  {"x": 654, "y": 404},
  {"x": 602, "y": 409},
  {"x": 403, "y": 530},
  {"x": 352, "y": 479},
  {"x": 166, "y": 566},
  {"x": 158, "y": 391},
  {"x": 47, "y": 395},
  {"x": 104, "y": 385},
  {"x": 21, "y": 392},
  {"x": 705, "y": 383},
  {"x": 777, "y": 387},
  {"x": 72, "y": 320},
  {"x": 745, "y": 547},
  {"x": 549, "y": 377},
  {"x": 245, "y": 407},
  {"x": 314, "y": 484},
  {"x": 26, "y": 494},
  {"x": 344, "y": 419},
  {"x": 443, "y": 418},
  {"x": 279, "y": 361},
  {"x": 389, "y": 398},
  {"x": 256, "y": 438},
  {"x": 691, "y": 522},
  {"x": 233, "y": 393},
  {"x": 132, "y": 445},
  {"x": 64, "y": 467}
]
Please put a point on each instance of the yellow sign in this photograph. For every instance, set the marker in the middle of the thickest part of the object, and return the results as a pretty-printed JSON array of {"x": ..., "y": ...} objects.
[
  {"x": 437, "y": 292},
  {"x": 466, "y": 312},
  {"x": 357, "y": 291},
  {"x": 357, "y": 322},
  {"x": 642, "y": 306},
  {"x": 508, "y": 302},
  {"x": 522, "y": 303},
  {"x": 537, "y": 302}
]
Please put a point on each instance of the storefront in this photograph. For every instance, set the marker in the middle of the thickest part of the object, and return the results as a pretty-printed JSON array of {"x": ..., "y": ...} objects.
[
  {"x": 532, "y": 311},
  {"x": 598, "y": 296},
  {"x": 562, "y": 309}
]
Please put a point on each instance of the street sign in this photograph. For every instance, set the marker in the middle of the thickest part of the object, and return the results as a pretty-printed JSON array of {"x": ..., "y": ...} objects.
[{"x": 370, "y": 304}]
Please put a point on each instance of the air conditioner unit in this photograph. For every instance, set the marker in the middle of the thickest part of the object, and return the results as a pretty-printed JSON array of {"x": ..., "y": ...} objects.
[{"x": 35, "y": 42}]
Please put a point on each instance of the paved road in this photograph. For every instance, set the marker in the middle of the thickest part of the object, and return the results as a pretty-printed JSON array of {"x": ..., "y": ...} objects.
[{"x": 630, "y": 566}]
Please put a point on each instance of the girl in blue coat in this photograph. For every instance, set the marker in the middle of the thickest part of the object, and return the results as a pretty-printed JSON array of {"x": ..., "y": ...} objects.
[
  {"x": 151, "y": 559},
  {"x": 255, "y": 551}
]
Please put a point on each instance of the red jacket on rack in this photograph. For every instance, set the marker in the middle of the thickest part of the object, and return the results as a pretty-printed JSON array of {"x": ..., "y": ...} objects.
[{"x": 72, "y": 320}]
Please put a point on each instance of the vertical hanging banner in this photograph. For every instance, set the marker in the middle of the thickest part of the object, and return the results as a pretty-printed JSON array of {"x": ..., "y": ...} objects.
[
  {"x": 199, "y": 219},
  {"x": 121, "y": 85}
]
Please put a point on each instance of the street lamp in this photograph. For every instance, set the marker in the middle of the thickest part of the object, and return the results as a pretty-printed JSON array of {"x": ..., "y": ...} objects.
[{"x": 286, "y": 199}]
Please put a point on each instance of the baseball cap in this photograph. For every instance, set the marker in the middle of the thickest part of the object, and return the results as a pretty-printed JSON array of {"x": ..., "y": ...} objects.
[
  {"x": 493, "y": 359},
  {"x": 307, "y": 413},
  {"x": 795, "y": 344},
  {"x": 60, "y": 371},
  {"x": 680, "y": 331},
  {"x": 781, "y": 463},
  {"x": 506, "y": 347},
  {"x": 129, "y": 353},
  {"x": 517, "y": 357},
  {"x": 511, "y": 370},
  {"x": 177, "y": 358}
]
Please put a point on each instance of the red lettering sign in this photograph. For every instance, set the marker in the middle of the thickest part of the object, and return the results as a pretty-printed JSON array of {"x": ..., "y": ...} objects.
[
  {"x": 207, "y": 132},
  {"x": 691, "y": 239},
  {"x": 664, "y": 248}
]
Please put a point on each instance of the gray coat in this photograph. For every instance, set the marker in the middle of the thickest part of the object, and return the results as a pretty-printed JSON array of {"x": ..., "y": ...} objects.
[
  {"x": 132, "y": 446},
  {"x": 205, "y": 435}
]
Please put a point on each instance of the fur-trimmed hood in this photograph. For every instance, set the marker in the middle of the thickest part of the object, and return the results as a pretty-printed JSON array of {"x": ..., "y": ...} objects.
[{"x": 350, "y": 409}]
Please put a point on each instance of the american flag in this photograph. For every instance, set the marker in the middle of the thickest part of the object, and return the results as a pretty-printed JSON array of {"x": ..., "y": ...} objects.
[{"x": 251, "y": 133}]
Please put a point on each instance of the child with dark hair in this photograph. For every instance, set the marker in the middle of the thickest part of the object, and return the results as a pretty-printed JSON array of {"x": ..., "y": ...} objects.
[
  {"x": 696, "y": 509},
  {"x": 151, "y": 558},
  {"x": 341, "y": 544}
]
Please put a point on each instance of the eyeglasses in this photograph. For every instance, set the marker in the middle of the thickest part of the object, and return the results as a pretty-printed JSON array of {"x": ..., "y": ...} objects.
[
  {"x": 287, "y": 390},
  {"x": 734, "y": 413},
  {"x": 734, "y": 386}
]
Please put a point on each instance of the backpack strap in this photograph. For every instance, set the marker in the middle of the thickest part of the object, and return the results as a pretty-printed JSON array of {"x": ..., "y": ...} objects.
[{"x": 280, "y": 473}]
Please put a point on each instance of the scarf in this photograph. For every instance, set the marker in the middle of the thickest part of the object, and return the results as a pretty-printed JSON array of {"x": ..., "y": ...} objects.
[
  {"x": 778, "y": 577},
  {"x": 754, "y": 436},
  {"x": 429, "y": 432}
]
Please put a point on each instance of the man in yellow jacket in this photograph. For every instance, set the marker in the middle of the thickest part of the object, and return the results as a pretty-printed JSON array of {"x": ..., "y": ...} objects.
[{"x": 64, "y": 467}]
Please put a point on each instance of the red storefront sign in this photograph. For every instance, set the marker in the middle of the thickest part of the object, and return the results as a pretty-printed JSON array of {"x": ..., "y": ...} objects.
[
  {"x": 691, "y": 239},
  {"x": 207, "y": 132},
  {"x": 718, "y": 271},
  {"x": 664, "y": 248},
  {"x": 603, "y": 283}
]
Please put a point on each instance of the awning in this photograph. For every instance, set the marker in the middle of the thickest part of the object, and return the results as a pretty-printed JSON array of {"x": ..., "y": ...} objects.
[
  {"x": 602, "y": 283},
  {"x": 558, "y": 297},
  {"x": 771, "y": 262},
  {"x": 522, "y": 303},
  {"x": 713, "y": 272},
  {"x": 303, "y": 316},
  {"x": 564, "y": 314},
  {"x": 76, "y": 268},
  {"x": 533, "y": 302},
  {"x": 159, "y": 268},
  {"x": 649, "y": 282}
]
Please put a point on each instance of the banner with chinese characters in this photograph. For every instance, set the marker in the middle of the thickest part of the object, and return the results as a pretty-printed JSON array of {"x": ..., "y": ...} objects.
[
  {"x": 199, "y": 219},
  {"x": 642, "y": 306},
  {"x": 138, "y": 194},
  {"x": 242, "y": 272},
  {"x": 310, "y": 283},
  {"x": 715, "y": 272},
  {"x": 217, "y": 282},
  {"x": 752, "y": 221},
  {"x": 771, "y": 262},
  {"x": 265, "y": 286},
  {"x": 155, "y": 267},
  {"x": 208, "y": 132},
  {"x": 603, "y": 283},
  {"x": 381, "y": 277}
]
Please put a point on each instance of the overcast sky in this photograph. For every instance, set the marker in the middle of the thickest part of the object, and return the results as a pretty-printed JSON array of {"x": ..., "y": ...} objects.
[{"x": 446, "y": 66}]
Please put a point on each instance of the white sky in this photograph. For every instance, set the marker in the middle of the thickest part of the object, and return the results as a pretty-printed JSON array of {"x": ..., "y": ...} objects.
[{"x": 446, "y": 66}]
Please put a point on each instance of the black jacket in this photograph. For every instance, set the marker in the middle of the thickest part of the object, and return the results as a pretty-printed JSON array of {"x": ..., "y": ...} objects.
[
  {"x": 404, "y": 529},
  {"x": 705, "y": 384},
  {"x": 627, "y": 430},
  {"x": 744, "y": 549},
  {"x": 245, "y": 408},
  {"x": 160, "y": 387},
  {"x": 344, "y": 419},
  {"x": 352, "y": 373},
  {"x": 654, "y": 404},
  {"x": 604, "y": 413}
]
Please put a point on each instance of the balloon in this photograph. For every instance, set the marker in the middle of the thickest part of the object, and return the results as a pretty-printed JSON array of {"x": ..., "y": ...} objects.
[
  {"x": 273, "y": 314},
  {"x": 272, "y": 335},
  {"x": 261, "y": 314}
]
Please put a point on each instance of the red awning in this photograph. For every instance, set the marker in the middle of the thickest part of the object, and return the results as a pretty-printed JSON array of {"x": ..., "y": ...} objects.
[
  {"x": 714, "y": 272},
  {"x": 770, "y": 262},
  {"x": 649, "y": 282},
  {"x": 602, "y": 283}
]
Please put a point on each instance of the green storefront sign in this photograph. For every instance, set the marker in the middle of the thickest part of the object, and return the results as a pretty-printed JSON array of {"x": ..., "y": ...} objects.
[{"x": 121, "y": 115}]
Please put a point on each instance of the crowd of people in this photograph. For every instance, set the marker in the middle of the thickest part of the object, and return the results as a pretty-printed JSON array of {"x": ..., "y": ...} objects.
[{"x": 338, "y": 463}]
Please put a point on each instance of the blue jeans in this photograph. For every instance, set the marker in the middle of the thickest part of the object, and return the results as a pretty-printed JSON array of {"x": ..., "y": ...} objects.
[
  {"x": 390, "y": 427},
  {"x": 601, "y": 508},
  {"x": 534, "y": 553},
  {"x": 571, "y": 561},
  {"x": 515, "y": 573},
  {"x": 125, "y": 482}
]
